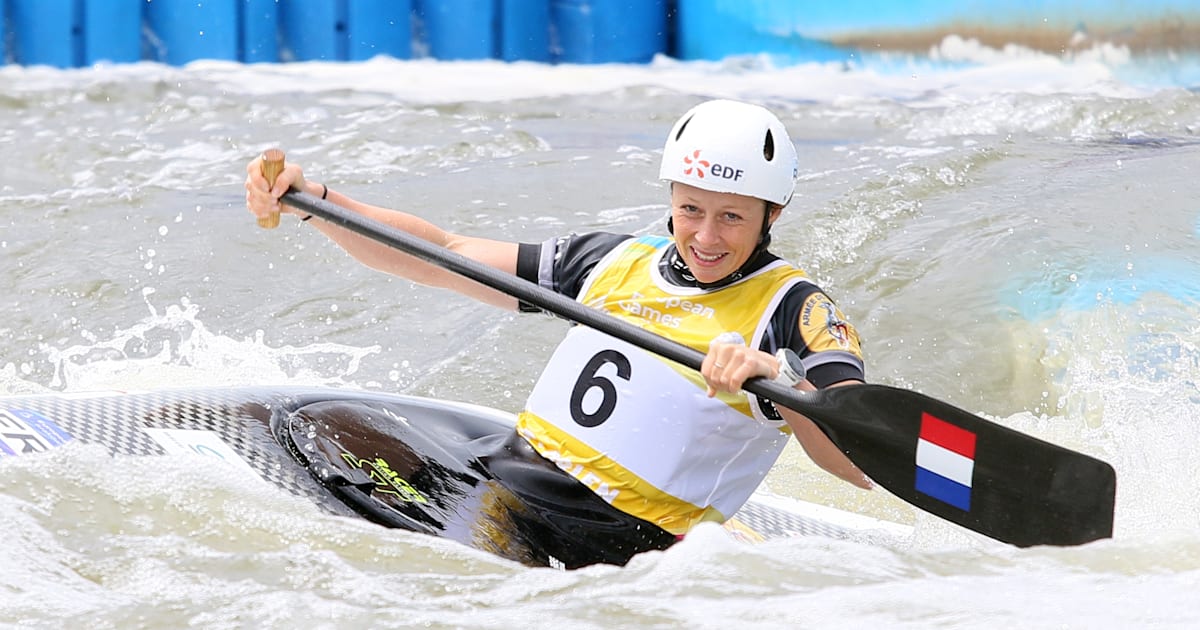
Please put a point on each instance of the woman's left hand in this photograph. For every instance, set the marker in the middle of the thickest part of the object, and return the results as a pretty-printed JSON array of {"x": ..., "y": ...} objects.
[{"x": 730, "y": 363}]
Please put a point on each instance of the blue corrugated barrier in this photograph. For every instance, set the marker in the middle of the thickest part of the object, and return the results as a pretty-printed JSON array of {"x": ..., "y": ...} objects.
[
  {"x": 378, "y": 27},
  {"x": 619, "y": 31},
  {"x": 111, "y": 32},
  {"x": 459, "y": 29},
  {"x": 186, "y": 31},
  {"x": 45, "y": 32},
  {"x": 525, "y": 30},
  {"x": 512, "y": 30},
  {"x": 69, "y": 33},
  {"x": 72, "y": 33},
  {"x": 259, "y": 21},
  {"x": 345, "y": 30}
]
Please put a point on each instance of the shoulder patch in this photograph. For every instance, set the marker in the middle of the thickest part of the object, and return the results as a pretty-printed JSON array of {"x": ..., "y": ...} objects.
[{"x": 823, "y": 326}]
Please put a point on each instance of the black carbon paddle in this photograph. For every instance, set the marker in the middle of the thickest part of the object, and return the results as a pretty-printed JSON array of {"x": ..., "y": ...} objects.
[{"x": 983, "y": 476}]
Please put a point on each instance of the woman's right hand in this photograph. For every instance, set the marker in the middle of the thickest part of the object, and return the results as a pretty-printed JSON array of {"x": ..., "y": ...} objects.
[{"x": 262, "y": 199}]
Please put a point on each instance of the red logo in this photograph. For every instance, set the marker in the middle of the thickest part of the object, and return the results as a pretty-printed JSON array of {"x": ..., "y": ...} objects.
[{"x": 693, "y": 159}]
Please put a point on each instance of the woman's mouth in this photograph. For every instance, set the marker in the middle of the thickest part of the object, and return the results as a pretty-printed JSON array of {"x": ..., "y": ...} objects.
[{"x": 707, "y": 259}]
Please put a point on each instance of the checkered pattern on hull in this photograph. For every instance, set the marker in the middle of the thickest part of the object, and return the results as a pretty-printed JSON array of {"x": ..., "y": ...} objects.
[
  {"x": 241, "y": 418},
  {"x": 771, "y": 522}
]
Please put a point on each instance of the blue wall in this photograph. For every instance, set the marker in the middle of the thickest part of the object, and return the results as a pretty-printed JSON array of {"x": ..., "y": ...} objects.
[{"x": 70, "y": 33}]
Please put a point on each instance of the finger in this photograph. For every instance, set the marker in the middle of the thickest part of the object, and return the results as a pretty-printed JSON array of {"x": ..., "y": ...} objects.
[
  {"x": 707, "y": 367},
  {"x": 713, "y": 370},
  {"x": 255, "y": 180},
  {"x": 260, "y": 202},
  {"x": 292, "y": 176},
  {"x": 720, "y": 382},
  {"x": 724, "y": 355},
  {"x": 708, "y": 370},
  {"x": 254, "y": 175},
  {"x": 739, "y": 376},
  {"x": 283, "y": 181}
]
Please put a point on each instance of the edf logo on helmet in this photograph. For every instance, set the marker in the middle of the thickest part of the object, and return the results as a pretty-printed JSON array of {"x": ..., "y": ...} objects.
[{"x": 694, "y": 162}]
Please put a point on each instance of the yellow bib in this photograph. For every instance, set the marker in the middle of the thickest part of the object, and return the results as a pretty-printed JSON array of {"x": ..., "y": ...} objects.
[{"x": 640, "y": 430}]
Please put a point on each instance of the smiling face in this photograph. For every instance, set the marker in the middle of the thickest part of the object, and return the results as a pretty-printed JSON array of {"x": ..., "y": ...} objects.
[{"x": 716, "y": 232}]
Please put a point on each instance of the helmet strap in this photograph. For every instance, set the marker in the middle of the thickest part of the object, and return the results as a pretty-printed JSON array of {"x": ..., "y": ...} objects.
[{"x": 764, "y": 239}]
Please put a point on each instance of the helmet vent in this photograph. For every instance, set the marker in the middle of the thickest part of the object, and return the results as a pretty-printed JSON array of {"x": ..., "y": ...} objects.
[
  {"x": 769, "y": 146},
  {"x": 679, "y": 134}
]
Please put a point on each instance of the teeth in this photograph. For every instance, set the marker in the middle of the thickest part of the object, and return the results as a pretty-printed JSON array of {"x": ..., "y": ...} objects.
[{"x": 707, "y": 258}]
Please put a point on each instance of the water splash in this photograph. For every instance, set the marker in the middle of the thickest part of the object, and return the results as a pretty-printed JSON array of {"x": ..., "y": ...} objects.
[
  {"x": 173, "y": 348},
  {"x": 1123, "y": 386}
]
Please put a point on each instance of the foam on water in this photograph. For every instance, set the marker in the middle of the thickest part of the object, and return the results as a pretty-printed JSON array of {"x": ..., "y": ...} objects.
[
  {"x": 174, "y": 349},
  {"x": 956, "y": 69}
]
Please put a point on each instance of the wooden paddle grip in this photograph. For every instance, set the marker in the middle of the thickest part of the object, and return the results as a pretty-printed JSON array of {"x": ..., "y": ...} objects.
[{"x": 272, "y": 166}]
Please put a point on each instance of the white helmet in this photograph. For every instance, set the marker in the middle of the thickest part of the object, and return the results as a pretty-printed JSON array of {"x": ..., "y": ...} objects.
[{"x": 732, "y": 147}]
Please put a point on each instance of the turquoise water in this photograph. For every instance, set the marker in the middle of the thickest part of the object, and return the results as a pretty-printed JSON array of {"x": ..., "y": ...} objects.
[{"x": 1013, "y": 233}]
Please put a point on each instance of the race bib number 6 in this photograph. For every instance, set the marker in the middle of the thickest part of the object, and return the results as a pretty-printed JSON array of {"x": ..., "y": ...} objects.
[{"x": 646, "y": 415}]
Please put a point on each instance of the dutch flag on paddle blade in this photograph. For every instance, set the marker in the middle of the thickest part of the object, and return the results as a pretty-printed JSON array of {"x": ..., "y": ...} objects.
[{"x": 945, "y": 462}]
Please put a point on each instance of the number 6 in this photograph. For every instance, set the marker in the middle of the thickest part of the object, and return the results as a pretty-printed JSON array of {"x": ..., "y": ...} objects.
[{"x": 588, "y": 379}]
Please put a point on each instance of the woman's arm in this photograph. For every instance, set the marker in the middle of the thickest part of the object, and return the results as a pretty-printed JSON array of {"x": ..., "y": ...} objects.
[{"x": 262, "y": 200}]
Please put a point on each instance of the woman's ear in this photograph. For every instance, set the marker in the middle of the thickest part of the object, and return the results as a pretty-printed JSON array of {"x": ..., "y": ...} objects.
[{"x": 773, "y": 212}]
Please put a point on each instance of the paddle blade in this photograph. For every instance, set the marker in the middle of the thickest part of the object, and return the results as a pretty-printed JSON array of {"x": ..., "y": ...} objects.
[{"x": 984, "y": 476}]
